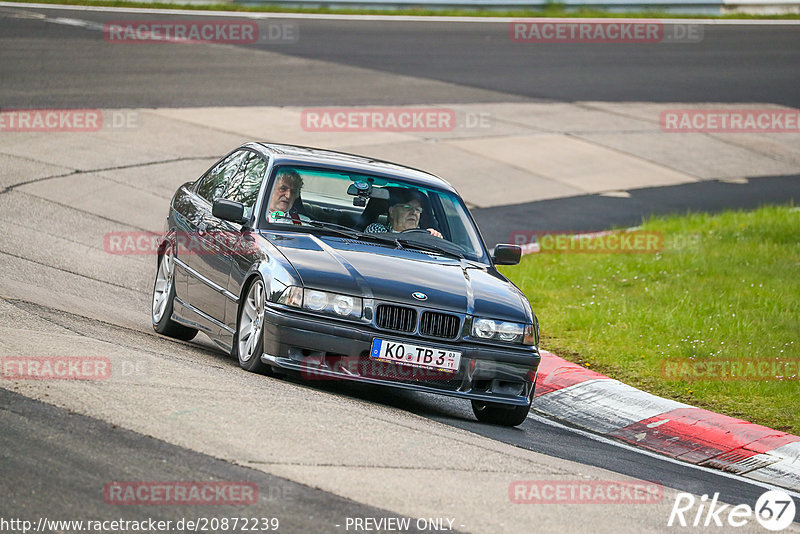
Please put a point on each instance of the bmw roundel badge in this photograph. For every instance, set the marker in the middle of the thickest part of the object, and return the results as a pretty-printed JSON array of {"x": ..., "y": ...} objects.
[{"x": 419, "y": 296}]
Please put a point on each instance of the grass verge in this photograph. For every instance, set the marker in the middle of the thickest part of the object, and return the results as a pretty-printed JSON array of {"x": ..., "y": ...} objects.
[
  {"x": 724, "y": 288},
  {"x": 550, "y": 11}
]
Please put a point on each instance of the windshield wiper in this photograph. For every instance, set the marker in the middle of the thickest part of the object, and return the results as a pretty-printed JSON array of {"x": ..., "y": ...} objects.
[
  {"x": 429, "y": 247},
  {"x": 343, "y": 230},
  {"x": 355, "y": 234},
  {"x": 387, "y": 238}
]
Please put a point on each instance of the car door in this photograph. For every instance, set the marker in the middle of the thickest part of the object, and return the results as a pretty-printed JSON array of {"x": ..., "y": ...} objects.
[
  {"x": 206, "y": 262},
  {"x": 243, "y": 188}
]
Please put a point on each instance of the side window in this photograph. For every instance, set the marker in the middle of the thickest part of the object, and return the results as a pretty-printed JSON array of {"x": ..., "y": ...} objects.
[
  {"x": 214, "y": 183},
  {"x": 245, "y": 185},
  {"x": 458, "y": 233}
]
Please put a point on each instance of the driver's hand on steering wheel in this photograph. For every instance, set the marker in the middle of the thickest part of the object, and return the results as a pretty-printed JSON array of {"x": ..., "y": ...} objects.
[{"x": 435, "y": 233}]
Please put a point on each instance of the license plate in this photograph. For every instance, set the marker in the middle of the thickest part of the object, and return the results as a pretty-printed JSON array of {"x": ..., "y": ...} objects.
[{"x": 416, "y": 355}]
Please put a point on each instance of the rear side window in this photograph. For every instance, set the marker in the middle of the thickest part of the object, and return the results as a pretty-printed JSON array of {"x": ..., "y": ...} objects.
[
  {"x": 246, "y": 183},
  {"x": 214, "y": 183}
]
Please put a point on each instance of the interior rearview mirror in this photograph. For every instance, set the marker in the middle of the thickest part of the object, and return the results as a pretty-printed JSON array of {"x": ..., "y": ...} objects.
[
  {"x": 380, "y": 193},
  {"x": 365, "y": 190}
]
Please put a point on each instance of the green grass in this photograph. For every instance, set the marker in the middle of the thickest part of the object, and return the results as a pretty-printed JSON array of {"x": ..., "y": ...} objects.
[
  {"x": 553, "y": 9},
  {"x": 724, "y": 287}
]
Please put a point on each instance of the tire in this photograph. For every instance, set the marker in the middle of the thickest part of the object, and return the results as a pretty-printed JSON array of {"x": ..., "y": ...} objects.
[
  {"x": 163, "y": 297},
  {"x": 248, "y": 343},
  {"x": 500, "y": 414}
]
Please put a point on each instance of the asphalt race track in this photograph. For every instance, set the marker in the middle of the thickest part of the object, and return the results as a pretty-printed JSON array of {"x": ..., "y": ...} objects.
[
  {"x": 320, "y": 454},
  {"x": 449, "y": 62}
]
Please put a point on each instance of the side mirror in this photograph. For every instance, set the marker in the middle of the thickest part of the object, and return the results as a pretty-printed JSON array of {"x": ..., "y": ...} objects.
[
  {"x": 228, "y": 210},
  {"x": 507, "y": 254}
]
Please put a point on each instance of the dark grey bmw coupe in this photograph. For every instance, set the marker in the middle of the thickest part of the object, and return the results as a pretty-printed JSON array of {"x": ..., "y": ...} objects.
[{"x": 340, "y": 266}]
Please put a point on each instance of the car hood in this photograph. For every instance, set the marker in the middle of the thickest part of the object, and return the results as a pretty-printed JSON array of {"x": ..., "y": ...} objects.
[{"x": 390, "y": 274}]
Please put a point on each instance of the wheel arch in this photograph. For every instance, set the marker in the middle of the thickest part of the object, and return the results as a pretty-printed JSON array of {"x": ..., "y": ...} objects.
[{"x": 164, "y": 242}]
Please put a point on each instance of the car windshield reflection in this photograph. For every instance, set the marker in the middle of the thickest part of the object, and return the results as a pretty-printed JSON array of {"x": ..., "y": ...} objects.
[{"x": 372, "y": 208}]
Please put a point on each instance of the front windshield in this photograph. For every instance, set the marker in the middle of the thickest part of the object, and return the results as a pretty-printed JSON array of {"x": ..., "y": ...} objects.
[{"x": 302, "y": 197}]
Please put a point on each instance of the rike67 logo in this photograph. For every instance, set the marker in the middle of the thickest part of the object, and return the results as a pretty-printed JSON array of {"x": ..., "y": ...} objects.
[{"x": 774, "y": 510}]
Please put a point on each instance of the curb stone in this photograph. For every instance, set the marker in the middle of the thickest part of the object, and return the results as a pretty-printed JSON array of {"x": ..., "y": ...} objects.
[{"x": 589, "y": 400}]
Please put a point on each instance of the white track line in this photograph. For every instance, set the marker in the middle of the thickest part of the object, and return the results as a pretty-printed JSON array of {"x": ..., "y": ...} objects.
[
  {"x": 608, "y": 441},
  {"x": 389, "y": 18}
]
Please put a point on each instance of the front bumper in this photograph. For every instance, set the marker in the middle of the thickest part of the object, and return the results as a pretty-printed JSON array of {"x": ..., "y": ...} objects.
[{"x": 322, "y": 349}]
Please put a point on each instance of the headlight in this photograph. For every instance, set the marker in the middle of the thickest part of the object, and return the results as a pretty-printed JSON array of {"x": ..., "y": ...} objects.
[
  {"x": 315, "y": 300},
  {"x": 325, "y": 302},
  {"x": 344, "y": 305},
  {"x": 510, "y": 331},
  {"x": 332, "y": 303},
  {"x": 502, "y": 331},
  {"x": 484, "y": 328}
]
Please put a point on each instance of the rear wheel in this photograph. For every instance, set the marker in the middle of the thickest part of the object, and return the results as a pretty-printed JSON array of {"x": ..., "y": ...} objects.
[
  {"x": 500, "y": 414},
  {"x": 249, "y": 342},
  {"x": 163, "y": 297}
]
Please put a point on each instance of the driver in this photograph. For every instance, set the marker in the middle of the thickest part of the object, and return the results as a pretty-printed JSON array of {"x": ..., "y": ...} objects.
[
  {"x": 405, "y": 208},
  {"x": 288, "y": 184}
]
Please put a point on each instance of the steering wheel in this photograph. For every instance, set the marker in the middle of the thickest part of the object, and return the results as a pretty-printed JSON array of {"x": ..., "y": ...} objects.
[
  {"x": 416, "y": 230},
  {"x": 419, "y": 231}
]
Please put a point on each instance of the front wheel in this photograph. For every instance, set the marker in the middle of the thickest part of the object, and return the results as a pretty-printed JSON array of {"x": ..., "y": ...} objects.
[
  {"x": 163, "y": 297},
  {"x": 249, "y": 340},
  {"x": 500, "y": 414}
]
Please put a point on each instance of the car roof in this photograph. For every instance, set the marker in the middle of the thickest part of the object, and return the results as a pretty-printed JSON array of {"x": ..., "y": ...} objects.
[{"x": 303, "y": 155}]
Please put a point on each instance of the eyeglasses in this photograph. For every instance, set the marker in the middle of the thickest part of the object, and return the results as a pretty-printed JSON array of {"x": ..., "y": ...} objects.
[{"x": 409, "y": 207}]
